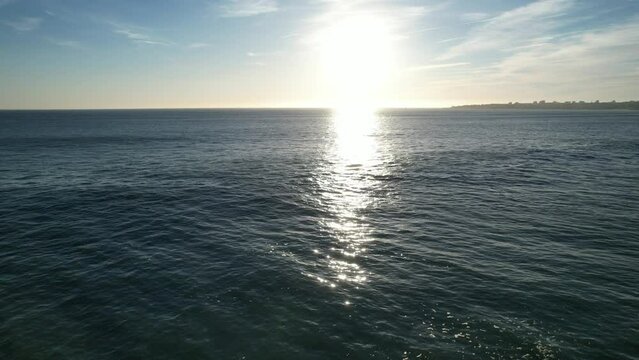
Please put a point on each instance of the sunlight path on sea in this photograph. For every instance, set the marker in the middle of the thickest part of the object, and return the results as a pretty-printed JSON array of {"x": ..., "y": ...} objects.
[{"x": 352, "y": 164}]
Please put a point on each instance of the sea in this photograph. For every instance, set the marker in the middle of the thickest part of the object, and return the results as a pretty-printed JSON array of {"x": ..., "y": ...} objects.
[{"x": 319, "y": 234}]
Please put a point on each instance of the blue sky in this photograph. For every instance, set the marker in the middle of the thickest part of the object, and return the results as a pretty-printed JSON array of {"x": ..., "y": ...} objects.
[{"x": 264, "y": 53}]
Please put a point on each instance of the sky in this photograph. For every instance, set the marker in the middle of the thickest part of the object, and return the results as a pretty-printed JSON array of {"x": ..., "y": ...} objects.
[{"x": 314, "y": 53}]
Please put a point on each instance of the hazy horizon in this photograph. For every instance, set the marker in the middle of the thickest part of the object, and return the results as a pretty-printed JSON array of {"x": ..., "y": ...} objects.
[
  {"x": 314, "y": 54},
  {"x": 326, "y": 108}
]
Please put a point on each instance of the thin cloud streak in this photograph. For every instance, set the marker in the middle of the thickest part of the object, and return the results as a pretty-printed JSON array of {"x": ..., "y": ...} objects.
[
  {"x": 65, "y": 43},
  {"x": 247, "y": 8},
  {"x": 399, "y": 18},
  {"x": 24, "y": 24},
  {"x": 475, "y": 17},
  {"x": 136, "y": 35},
  {"x": 512, "y": 28},
  {"x": 198, "y": 45},
  {"x": 607, "y": 68},
  {"x": 437, "y": 66},
  {"x": 603, "y": 53}
]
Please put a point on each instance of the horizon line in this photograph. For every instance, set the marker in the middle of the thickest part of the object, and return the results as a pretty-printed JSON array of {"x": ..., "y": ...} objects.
[
  {"x": 317, "y": 107},
  {"x": 215, "y": 108}
]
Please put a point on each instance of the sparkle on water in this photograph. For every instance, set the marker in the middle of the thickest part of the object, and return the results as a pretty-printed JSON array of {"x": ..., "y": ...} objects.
[{"x": 352, "y": 158}]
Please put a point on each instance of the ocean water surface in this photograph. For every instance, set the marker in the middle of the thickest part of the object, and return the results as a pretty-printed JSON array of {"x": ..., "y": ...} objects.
[{"x": 304, "y": 234}]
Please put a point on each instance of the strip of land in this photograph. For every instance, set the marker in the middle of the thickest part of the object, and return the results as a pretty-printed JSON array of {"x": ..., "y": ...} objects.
[{"x": 568, "y": 105}]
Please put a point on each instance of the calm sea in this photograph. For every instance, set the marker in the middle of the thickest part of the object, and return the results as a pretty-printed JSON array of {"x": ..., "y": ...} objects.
[{"x": 301, "y": 234}]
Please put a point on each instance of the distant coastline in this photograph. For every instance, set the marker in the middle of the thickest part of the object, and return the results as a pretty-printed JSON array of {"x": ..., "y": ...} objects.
[{"x": 555, "y": 105}]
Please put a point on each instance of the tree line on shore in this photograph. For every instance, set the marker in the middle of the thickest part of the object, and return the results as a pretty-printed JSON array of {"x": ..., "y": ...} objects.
[{"x": 555, "y": 105}]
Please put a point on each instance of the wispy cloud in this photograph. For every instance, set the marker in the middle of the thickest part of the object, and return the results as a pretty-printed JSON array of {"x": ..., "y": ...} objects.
[
  {"x": 364, "y": 7},
  {"x": 255, "y": 54},
  {"x": 437, "y": 66},
  {"x": 401, "y": 19},
  {"x": 262, "y": 58},
  {"x": 65, "y": 43},
  {"x": 607, "y": 67},
  {"x": 198, "y": 45},
  {"x": 475, "y": 17},
  {"x": 245, "y": 8},
  {"x": 512, "y": 28},
  {"x": 450, "y": 39},
  {"x": 24, "y": 24},
  {"x": 136, "y": 34},
  {"x": 604, "y": 53}
]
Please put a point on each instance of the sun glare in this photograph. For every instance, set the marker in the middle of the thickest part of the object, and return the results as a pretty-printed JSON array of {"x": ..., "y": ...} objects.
[{"x": 356, "y": 55}]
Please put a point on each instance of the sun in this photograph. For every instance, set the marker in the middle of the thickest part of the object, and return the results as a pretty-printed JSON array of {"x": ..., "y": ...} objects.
[{"x": 357, "y": 58}]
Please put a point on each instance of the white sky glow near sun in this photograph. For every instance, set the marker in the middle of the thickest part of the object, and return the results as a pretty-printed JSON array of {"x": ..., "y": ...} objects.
[{"x": 357, "y": 59}]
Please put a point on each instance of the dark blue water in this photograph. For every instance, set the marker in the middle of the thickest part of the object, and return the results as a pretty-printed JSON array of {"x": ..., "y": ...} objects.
[{"x": 307, "y": 235}]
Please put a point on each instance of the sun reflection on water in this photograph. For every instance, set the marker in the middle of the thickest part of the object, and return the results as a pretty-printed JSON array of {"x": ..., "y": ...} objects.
[
  {"x": 354, "y": 134},
  {"x": 347, "y": 182}
]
